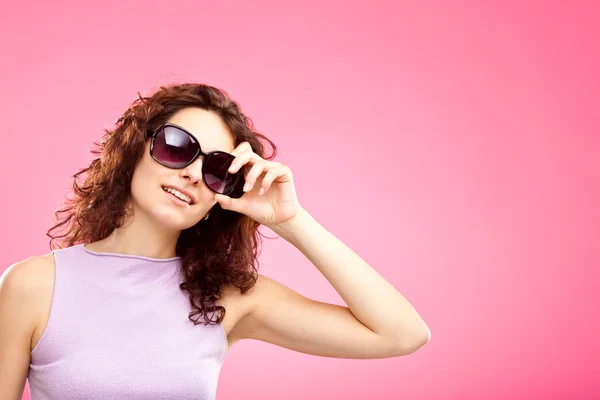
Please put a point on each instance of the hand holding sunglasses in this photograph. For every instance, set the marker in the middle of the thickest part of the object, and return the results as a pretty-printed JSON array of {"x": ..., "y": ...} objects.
[
  {"x": 268, "y": 190},
  {"x": 270, "y": 196}
]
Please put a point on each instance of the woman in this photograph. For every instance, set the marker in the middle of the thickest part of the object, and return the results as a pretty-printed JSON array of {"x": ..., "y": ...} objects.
[{"x": 157, "y": 276}]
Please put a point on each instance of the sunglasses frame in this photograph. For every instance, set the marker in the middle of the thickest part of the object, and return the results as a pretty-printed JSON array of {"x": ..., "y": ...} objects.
[{"x": 236, "y": 189}]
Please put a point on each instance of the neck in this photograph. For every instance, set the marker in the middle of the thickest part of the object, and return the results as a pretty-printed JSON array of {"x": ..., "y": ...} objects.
[{"x": 141, "y": 237}]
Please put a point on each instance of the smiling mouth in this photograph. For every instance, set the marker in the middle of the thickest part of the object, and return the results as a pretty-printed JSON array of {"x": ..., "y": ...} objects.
[{"x": 178, "y": 198}]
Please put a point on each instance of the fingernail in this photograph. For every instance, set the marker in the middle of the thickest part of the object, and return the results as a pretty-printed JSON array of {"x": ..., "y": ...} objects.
[{"x": 261, "y": 191}]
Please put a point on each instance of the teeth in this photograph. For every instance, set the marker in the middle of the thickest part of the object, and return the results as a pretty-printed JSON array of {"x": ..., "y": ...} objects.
[{"x": 178, "y": 194}]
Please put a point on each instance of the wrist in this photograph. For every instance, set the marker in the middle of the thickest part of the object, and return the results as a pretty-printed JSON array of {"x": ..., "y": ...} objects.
[{"x": 297, "y": 223}]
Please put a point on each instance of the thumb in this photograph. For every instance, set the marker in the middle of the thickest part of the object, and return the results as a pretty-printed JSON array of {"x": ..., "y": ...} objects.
[{"x": 227, "y": 203}]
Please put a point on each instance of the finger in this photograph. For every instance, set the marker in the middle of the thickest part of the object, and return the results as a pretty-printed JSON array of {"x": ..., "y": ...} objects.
[
  {"x": 227, "y": 203},
  {"x": 241, "y": 160},
  {"x": 241, "y": 148},
  {"x": 272, "y": 174},
  {"x": 256, "y": 171}
]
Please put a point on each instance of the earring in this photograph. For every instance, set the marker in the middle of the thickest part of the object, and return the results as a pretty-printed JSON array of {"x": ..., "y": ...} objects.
[{"x": 206, "y": 216}]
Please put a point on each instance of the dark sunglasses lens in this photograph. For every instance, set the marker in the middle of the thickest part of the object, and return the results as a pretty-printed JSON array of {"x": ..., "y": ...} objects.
[
  {"x": 173, "y": 147},
  {"x": 216, "y": 177}
]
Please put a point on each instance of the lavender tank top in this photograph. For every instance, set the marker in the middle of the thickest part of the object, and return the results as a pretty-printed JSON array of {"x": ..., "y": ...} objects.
[{"x": 119, "y": 329}]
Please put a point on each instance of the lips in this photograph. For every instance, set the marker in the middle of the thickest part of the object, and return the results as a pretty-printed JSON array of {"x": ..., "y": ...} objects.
[
  {"x": 185, "y": 192},
  {"x": 177, "y": 198}
]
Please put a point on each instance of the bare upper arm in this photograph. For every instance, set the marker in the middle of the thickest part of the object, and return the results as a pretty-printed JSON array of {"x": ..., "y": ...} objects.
[
  {"x": 279, "y": 315},
  {"x": 20, "y": 297}
]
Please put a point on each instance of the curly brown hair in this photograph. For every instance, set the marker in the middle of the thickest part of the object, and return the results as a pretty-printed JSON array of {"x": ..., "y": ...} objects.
[{"x": 226, "y": 251}]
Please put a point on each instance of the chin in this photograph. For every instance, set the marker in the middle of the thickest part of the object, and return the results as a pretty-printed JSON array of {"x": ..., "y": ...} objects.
[{"x": 173, "y": 221}]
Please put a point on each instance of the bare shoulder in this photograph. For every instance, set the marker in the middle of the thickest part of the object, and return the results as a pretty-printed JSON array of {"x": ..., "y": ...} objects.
[
  {"x": 30, "y": 275},
  {"x": 30, "y": 284}
]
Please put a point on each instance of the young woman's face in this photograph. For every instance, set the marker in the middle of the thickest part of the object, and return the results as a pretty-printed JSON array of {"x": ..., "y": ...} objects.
[{"x": 151, "y": 201}]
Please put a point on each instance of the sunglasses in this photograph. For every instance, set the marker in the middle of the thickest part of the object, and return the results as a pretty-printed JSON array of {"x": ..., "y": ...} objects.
[{"x": 176, "y": 148}]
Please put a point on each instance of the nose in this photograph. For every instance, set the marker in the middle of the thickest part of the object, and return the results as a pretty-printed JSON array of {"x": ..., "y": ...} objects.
[{"x": 193, "y": 172}]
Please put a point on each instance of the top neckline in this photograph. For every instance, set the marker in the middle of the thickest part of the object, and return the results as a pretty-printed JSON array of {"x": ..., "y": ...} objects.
[{"x": 134, "y": 256}]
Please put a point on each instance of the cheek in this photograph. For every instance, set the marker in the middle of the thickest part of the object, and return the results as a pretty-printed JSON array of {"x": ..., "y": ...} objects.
[
  {"x": 206, "y": 196},
  {"x": 144, "y": 178}
]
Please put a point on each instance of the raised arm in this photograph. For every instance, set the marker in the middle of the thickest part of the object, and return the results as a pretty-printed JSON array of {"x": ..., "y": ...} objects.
[{"x": 378, "y": 322}]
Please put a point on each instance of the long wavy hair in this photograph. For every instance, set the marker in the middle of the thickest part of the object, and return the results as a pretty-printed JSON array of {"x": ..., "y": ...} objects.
[{"x": 219, "y": 251}]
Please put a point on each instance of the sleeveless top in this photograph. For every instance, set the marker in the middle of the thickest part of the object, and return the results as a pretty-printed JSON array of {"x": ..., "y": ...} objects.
[{"x": 119, "y": 329}]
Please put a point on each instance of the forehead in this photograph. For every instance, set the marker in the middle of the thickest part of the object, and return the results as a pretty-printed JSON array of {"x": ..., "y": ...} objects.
[{"x": 207, "y": 127}]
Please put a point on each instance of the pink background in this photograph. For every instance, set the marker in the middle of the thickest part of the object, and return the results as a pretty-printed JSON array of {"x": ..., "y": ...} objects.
[{"x": 453, "y": 145}]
